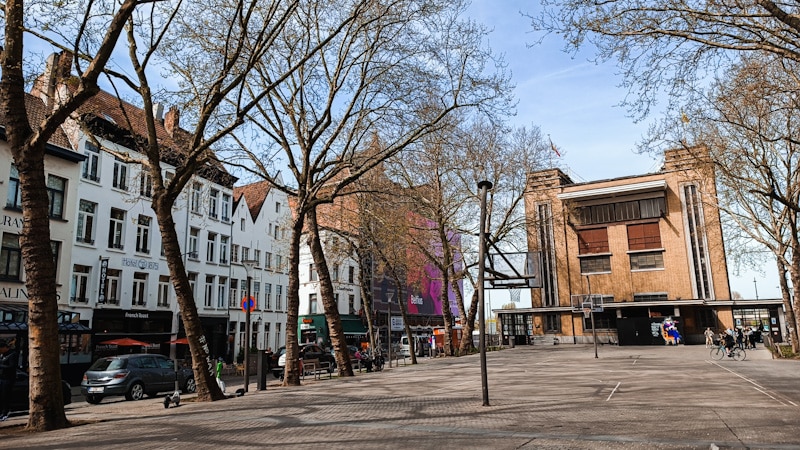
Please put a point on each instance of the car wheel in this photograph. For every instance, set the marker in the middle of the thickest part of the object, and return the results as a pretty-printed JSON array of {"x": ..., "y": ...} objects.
[
  {"x": 136, "y": 392},
  {"x": 190, "y": 387},
  {"x": 93, "y": 399}
]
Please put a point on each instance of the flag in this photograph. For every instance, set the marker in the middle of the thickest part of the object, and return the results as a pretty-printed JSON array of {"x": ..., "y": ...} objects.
[{"x": 553, "y": 146}]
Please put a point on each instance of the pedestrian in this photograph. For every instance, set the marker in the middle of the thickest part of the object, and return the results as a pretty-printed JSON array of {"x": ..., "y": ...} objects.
[
  {"x": 748, "y": 338},
  {"x": 740, "y": 338},
  {"x": 8, "y": 374},
  {"x": 709, "y": 337}
]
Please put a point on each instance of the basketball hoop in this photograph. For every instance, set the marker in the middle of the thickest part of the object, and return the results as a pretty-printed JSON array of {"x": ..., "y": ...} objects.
[{"x": 587, "y": 312}]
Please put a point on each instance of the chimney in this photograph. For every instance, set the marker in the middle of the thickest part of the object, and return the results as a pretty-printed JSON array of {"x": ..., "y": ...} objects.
[
  {"x": 158, "y": 111},
  {"x": 57, "y": 70},
  {"x": 171, "y": 120}
]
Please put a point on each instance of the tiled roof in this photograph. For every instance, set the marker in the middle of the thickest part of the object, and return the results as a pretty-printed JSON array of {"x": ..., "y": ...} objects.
[
  {"x": 255, "y": 194},
  {"x": 125, "y": 123},
  {"x": 37, "y": 111}
]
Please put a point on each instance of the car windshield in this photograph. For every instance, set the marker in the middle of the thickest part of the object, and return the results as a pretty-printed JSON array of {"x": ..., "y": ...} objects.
[{"x": 109, "y": 364}]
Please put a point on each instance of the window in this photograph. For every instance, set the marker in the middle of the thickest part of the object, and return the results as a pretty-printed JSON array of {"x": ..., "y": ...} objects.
[
  {"x": 139, "y": 289},
  {"x": 145, "y": 183},
  {"x": 257, "y": 257},
  {"x": 223, "y": 249},
  {"x": 91, "y": 165},
  {"x": 193, "y": 283},
  {"x": 644, "y": 236},
  {"x": 86, "y": 212},
  {"x": 706, "y": 319},
  {"x": 194, "y": 234},
  {"x": 241, "y": 224},
  {"x": 647, "y": 260},
  {"x": 112, "y": 286},
  {"x": 278, "y": 263},
  {"x": 245, "y": 254},
  {"x": 14, "y": 198},
  {"x": 225, "y": 207},
  {"x": 209, "y": 291},
  {"x": 266, "y": 336},
  {"x": 268, "y": 296},
  {"x": 277, "y": 232},
  {"x": 278, "y": 297},
  {"x": 211, "y": 246},
  {"x": 143, "y": 234},
  {"x": 234, "y": 293},
  {"x": 312, "y": 303},
  {"x": 552, "y": 322},
  {"x": 120, "y": 178},
  {"x": 351, "y": 274},
  {"x": 163, "y": 290},
  {"x": 595, "y": 264},
  {"x": 56, "y": 188},
  {"x": 335, "y": 272},
  {"x": 10, "y": 257},
  {"x": 649, "y": 208},
  {"x": 235, "y": 253},
  {"x": 168, "y": 177},
  {"x": 268, "y": 260},
  {"x": 277, "y": 207},
  {"x": 593, "y": 241},
  {"x": 351, "y": 302},
  {"x": 221, "y": 287},
  {"x": 650, "y": 297},
  {"x": 55, "y": 247},
  {"x": 213, "y": 198},
  {"x": 256, "y": 293},
  {"x": 603, "y": 320},
  {"x": 312, "y": 272},
  {"x": 116, "y": 229},
  {"x": 277, "y": 332},
  {"x": 79, "y": 288},
  {"x": 195, "y": 197}
]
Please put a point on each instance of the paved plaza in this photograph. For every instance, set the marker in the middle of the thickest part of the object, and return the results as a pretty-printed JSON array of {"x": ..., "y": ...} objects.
[{"x": 548, "y": 397}]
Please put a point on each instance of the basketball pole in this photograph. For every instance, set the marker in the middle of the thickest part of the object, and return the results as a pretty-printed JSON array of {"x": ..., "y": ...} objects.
[{"x": 483, "y": 187}]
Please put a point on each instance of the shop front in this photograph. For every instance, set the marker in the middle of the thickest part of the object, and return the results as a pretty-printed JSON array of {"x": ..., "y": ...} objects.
[
  {"x": 313, "y": 328},
  {"x": 153, "y": 328}
]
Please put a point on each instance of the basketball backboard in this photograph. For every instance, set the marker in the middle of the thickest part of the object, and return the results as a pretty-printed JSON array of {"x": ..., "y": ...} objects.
[
  {"x": 512, "y": 270},
  {"x": 581, "y": 301}
]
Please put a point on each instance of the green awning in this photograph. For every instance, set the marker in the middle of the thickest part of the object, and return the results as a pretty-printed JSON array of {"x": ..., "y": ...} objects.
[{"x": 353, "y": 326}]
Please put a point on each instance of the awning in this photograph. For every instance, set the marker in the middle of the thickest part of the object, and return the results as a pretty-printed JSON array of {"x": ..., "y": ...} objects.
[
  {"x": 353, "y": 327},
  {"x": 62, "y": 327}
]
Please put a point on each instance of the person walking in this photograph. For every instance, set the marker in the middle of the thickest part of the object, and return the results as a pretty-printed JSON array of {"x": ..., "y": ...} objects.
[
  {"x": 740, "y": 338},
  {"x": 709, "y": 337},
  {"x": 8, "y": 374}
]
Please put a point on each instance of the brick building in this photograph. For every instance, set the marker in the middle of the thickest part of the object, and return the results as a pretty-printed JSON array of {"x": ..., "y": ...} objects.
[{"x": 649, "y": 247}]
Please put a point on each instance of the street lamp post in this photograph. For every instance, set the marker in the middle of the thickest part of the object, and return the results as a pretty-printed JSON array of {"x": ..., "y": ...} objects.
[
  {"x": 483, "y": 186},
  {"x": 248, "y": 305}
]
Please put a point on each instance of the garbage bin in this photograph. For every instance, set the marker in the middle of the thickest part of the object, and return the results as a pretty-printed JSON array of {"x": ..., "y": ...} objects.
[{"x": 511, "y": 341}]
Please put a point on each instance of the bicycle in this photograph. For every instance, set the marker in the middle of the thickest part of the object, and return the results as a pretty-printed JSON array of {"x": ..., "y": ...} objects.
[{"x": 719, "y": 352}]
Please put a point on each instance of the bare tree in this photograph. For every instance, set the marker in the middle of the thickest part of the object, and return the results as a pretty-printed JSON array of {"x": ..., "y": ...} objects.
[
  {"x": 672, "y": 45},
  {"x": 27, "y": 144},
  {"x": 747, "y": 123},
  {"x": 396, "y": 71}
]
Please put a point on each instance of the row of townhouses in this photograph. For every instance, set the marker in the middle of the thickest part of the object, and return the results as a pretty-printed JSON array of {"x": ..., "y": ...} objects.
[{"x": 112, "y": 276}]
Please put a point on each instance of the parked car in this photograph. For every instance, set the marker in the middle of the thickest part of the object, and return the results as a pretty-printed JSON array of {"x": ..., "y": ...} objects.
[
  {"x": 134, "y": 376},
  {"x": 20, "y": 392},
  {"x": 307, "y": 351}
]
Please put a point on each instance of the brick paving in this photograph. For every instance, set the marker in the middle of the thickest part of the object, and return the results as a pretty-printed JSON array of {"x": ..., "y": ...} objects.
[{"x": 552, "y": 397}]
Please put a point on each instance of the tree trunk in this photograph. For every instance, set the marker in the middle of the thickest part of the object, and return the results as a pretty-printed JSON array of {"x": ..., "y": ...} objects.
[
  {"x": 786, "y": 293},
  {"x": 292, "y": 371},
  {"x": 412, "y": 342},
  {"x": 365, "y": 282},
  {"x": 202, "y": 365},
  {"x": 471, "y": 313},
  {"x": 329, "y": 304},
  {"x": 46, "y": 400}
]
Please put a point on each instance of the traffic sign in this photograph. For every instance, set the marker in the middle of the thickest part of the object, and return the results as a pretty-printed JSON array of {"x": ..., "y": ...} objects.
[{"x": 251, "y": 302}]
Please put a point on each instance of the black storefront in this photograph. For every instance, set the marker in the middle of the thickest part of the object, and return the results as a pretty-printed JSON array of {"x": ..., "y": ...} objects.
[
  {"x": 73, "y": 335},
  {"x": 215, "y": 330},
  {"x": 153, "y": 327}
]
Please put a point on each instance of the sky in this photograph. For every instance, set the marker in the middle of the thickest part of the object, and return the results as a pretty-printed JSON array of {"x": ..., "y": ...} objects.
[{"x": 575, "y": 102}]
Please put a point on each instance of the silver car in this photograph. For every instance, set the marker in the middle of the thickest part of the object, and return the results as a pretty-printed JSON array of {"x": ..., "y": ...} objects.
[{"x": 134, "y": 376}]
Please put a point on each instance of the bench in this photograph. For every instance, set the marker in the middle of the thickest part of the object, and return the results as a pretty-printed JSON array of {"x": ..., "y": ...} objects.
[{"x": 316, "y": 368}]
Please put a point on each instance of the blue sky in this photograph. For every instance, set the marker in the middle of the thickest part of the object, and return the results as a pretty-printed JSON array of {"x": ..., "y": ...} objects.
[{"x": 575, "y": 101}]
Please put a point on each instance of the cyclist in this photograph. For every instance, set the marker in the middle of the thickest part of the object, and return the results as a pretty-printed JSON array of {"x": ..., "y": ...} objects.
[{"x": 730, "y": 342}]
